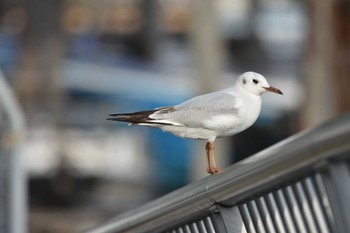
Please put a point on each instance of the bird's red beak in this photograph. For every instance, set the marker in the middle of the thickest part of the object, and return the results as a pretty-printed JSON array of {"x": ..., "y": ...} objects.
[{"x": 274, "y": 90}]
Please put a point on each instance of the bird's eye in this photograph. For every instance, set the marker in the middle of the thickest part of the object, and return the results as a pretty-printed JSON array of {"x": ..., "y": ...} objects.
[
  {"x": 244, "y": 81},
  {"x": 255, "y": 81}
]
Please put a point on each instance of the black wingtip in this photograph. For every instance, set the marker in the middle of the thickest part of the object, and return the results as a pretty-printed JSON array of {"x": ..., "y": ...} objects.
[{"x": 113, "y": 117}]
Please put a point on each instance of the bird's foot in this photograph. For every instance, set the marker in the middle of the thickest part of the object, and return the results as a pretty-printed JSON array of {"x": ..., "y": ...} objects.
[{"x": 213, "y": 170}]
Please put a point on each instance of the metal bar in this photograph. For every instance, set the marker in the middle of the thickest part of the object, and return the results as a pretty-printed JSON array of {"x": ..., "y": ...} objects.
[
  {"x": 305, "y": 208},
  {"x": 316, "y": 206},
  {"x": 187, "y": 229},
  {"x": 296, "y": 212},
  {"x": 285, "y": 211},
  {"x": 209, "y": 225},
  {"x": 180, "y": 230},
  {"x": 202, "y": 227},
  {"x": 265, "y": 214},
  {"x": 300, "y": 154},
  {"x": 248, "y": 222},
  {"x": 322, "y": 193},
  {"x": 255, "y": 215},
  {"x": 275, "y": 213},
  {"x": 194, "y": 228}
]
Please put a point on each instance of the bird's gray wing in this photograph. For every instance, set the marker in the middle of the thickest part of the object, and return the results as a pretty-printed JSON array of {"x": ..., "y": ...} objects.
[{"x": 216, "y": 111}]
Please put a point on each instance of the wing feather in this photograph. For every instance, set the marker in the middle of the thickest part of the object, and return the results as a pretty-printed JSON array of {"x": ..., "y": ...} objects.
[{"x": 204, "y": 111}]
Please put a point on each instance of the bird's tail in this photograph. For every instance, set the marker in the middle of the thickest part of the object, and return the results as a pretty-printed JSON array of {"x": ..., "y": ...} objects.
[
  {"x": 142, "y": 117},
  {"x": 133, "y": 118}
]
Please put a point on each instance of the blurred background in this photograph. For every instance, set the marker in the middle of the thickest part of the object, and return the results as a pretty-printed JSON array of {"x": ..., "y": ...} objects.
[{"x": 67, "y": 64}]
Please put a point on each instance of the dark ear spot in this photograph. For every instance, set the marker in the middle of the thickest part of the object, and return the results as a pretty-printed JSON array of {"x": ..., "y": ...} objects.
[{"x": 244, "y": 81}]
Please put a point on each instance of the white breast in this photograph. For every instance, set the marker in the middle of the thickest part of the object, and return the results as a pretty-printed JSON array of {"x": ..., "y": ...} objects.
[{"x": 247, "y": 115}]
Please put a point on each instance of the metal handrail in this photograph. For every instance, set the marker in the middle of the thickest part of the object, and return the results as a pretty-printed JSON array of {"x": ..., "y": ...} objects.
[{"x": 300, "y": 154}]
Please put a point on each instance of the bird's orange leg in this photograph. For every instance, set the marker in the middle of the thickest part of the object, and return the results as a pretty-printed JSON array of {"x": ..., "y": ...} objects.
[{"x": 211, "y": 165}]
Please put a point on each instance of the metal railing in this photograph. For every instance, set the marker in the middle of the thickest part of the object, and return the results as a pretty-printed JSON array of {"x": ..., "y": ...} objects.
[{"x": 301, "y": 184}]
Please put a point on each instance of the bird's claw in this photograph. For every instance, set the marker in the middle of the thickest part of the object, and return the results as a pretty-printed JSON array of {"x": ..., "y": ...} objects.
[{"x": 213, "y": 170}]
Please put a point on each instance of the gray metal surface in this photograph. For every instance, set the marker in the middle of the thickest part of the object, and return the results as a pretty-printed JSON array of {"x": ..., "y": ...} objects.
[{"x": 290, "y": 165}]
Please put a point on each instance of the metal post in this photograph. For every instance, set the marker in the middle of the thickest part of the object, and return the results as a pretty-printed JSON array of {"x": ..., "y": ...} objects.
[
  {"x": 228, "y": 219},
  {"x": 337, "y": 185},
  {"x": 17, "y": 211}
]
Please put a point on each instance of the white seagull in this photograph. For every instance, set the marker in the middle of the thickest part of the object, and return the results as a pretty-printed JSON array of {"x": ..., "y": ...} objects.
[{"x": 210, "y": 116}]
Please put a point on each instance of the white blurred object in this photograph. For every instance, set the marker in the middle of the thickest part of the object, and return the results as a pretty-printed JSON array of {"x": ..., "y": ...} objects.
[
  {"x": 235, "y": 18},
  {"x": 100, "y": 153},
  {"x": 41, "y": 150},
  {"x": 281, "y": 26},
  {"x": 114, "y": 154}
]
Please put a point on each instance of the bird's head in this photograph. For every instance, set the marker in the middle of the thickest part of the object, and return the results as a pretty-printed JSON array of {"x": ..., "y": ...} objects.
[{"x": 256, "y": 84}]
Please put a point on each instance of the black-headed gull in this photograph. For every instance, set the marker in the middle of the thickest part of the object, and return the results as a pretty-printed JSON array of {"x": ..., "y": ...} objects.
[{"x": 217, "y": 114}]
